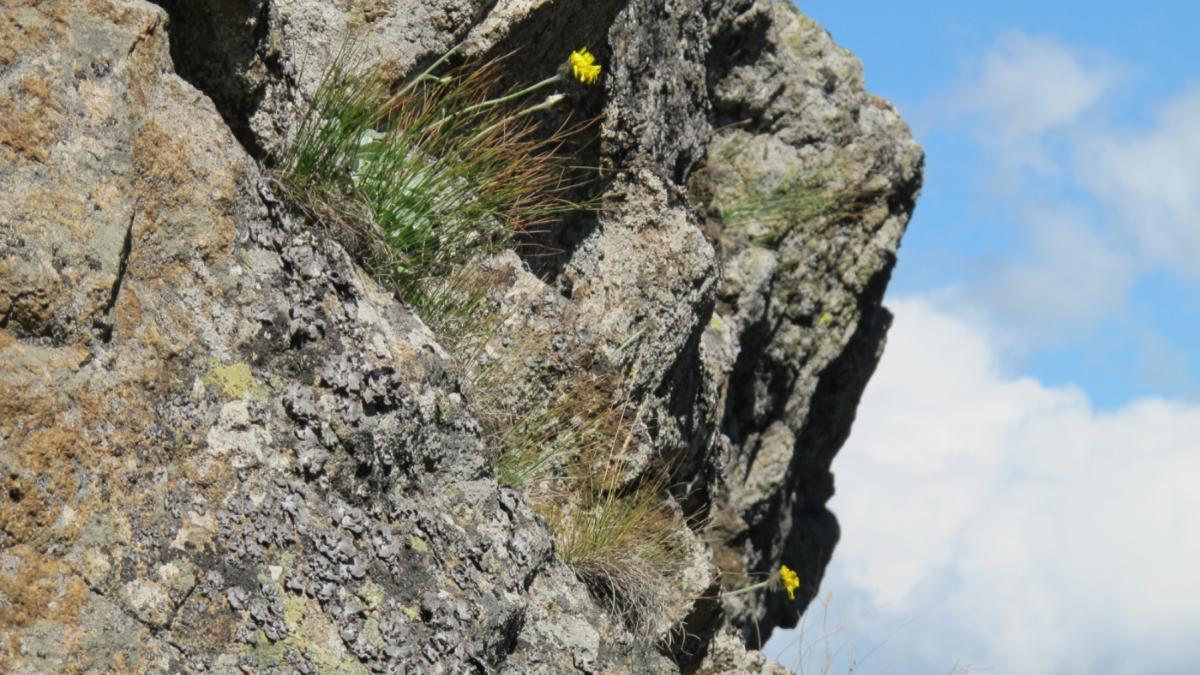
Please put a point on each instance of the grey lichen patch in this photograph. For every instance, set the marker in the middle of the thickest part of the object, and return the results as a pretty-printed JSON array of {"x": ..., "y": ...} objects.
[
  {"x": 238, "y": 440},
  {"x": 195, "y": 532},
  {"x": 236, "y": 381}
]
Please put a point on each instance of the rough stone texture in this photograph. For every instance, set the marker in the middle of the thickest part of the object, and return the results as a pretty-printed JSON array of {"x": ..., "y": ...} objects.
[
  {"x": 258, "y": 458},
  {"x": 804, "y": 308},
  {"x": 728, "y": 654},
  {"x": 223, "y": 446},
  {"x": 257, "y": 58}
]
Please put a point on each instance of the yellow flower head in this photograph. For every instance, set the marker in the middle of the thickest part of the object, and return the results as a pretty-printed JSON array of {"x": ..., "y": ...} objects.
[
  {"x": 584, "y": 66},
  {"x": 790, "y": 580}
]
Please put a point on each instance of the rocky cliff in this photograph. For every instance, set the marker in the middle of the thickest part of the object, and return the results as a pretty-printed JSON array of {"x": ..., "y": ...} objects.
[{"x": 224, "y": 445}]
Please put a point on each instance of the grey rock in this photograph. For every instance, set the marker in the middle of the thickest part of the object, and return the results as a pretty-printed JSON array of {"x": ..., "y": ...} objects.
[
  {"x": 224, "y": 446},
  {"x": 808, "y": 350}
]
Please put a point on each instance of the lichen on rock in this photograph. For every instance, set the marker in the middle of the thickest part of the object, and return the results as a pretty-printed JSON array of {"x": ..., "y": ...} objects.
[{"x": 225, "y": 445}]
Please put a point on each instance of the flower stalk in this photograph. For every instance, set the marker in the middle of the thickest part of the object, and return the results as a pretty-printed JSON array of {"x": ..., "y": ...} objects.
[{"x": 787, "y": 576}]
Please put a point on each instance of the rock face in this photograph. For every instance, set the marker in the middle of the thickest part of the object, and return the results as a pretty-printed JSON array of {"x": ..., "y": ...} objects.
[{"x": 224, "y": 446}]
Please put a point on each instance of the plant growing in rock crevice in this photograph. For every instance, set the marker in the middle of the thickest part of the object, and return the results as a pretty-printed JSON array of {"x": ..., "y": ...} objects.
[
  {"x": 628, "y": 544},
  {"x": 421, "y": 184},
  {"x": 573, "y": 447},
  {"x": 418, "y": 182},
  {"x": 614, "y": 522},
  {"x": 767, "y": 209}
]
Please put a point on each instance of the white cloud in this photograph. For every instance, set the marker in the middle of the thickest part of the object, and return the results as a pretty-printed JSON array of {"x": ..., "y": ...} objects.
[
  {"x": 1152, "y": 179},
  {"x": 1019, "y": 529},
  {"x": 1024, "y": 101},
  {"x": 1067, "y": 276},
  {"x": 1095, "y": 205},
  {"x": 1026, "y": 86}
]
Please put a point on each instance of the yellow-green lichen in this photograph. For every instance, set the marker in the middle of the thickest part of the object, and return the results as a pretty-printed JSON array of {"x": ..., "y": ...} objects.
[
  {"x": 235, "y": 381},
  {"x": 293, "y": 612},
  {"x": 311, "y": 633},
  {"x": 372, "y": 594},
  {"x": 372, "y": 633},
  {"x": 266, "y": 653},
  {"x": 178, "y": 575}
]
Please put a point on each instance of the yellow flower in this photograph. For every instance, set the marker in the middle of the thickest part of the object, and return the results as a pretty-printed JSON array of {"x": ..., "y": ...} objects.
[
  {"x": 584, "y": 66},
  {"x": 790, "y": 580}
]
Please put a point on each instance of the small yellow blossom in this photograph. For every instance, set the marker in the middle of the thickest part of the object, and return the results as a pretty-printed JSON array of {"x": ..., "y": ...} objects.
[
  {"x": 584, "y": 66},
  {"x": 791, "y": 581}
]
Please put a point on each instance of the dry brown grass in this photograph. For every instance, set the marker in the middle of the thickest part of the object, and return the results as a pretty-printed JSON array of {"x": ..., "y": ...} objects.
[{"x": 576, "y": 452}]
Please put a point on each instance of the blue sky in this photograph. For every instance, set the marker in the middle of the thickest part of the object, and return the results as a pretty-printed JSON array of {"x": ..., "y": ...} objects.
[
  {"x": 1017, "y": 495},
  {"x": 974, "y": 217}
]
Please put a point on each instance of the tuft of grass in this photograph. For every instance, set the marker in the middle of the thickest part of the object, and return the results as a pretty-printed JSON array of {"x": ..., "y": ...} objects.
[
  {"x": 615, "y": 523},
  {"x": 573, "y": 447},
  {"x": 557, "y": 432},
  {"x": 628, "y": 545},
  {"x": 425, "y": 179},
  {"x": 796, "y": 202},
  {"x": 768, "y": 210},
  {"x": 459, "y": 308}
]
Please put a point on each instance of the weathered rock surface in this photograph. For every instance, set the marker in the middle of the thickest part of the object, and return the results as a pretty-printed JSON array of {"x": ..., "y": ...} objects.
[
  {"x": 223, "y": 446},
  {"x": 802, "y": 295}
]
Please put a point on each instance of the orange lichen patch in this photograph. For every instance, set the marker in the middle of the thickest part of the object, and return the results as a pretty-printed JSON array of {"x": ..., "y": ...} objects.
[
  {"x": 132, "y": 323},
  {"x": 120, "y": 13},
  {"x": 32, "y": 119},
  {"x": 35, "y": 87},
  {"x": 63, "y": 208},
  {"x": 162, "y": 160},
  {"x": 188, "y": 190},
  {"x": 36, "y": 587},
  {"x": 24, "y": 28},
  {"x": 58, "y": 440},
  {"x": 40, "y": 467}
]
